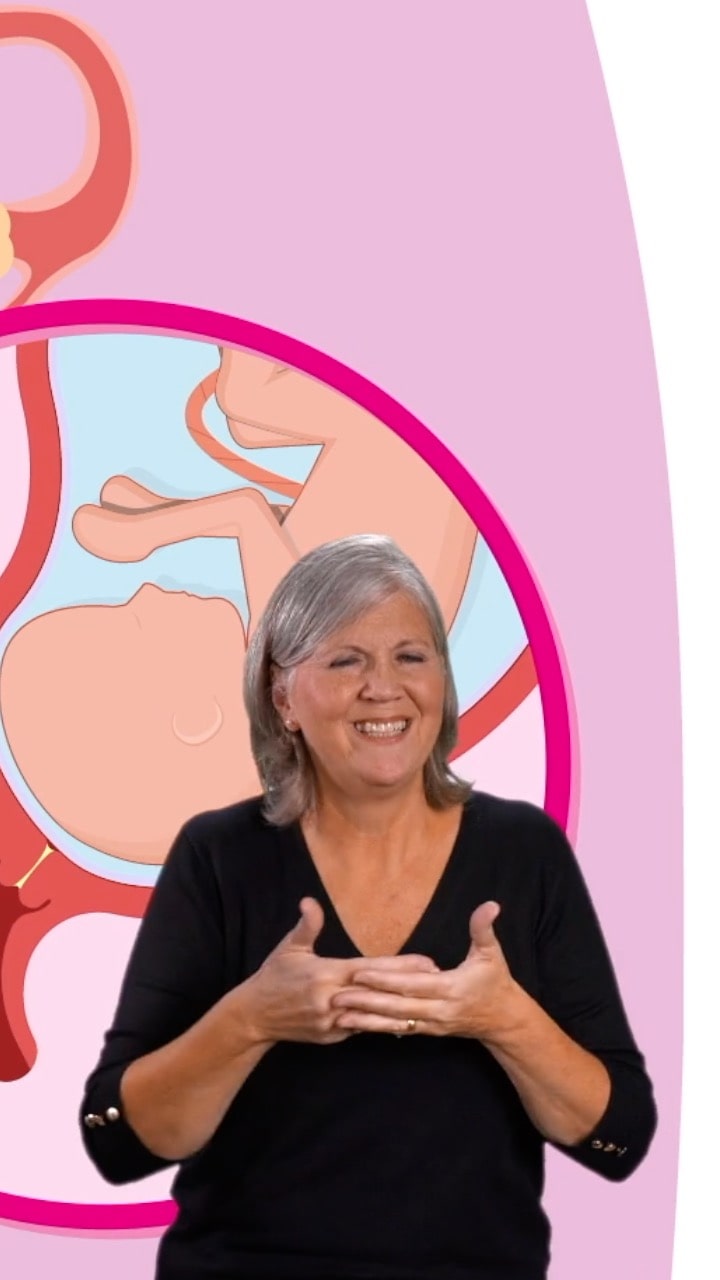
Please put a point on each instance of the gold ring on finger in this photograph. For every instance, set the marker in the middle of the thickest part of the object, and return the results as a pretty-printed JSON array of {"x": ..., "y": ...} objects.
[{"x": 410, "y": 1025}]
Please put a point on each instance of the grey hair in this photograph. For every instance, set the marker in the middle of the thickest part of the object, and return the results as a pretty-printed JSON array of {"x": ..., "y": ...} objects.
[{"x": 326, "y": 589}]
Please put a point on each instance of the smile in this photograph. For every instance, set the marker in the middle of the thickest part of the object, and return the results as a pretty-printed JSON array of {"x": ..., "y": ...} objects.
[{"x": 381, "y": 728}]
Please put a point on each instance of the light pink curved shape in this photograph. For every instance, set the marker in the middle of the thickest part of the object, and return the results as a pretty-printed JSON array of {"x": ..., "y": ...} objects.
[
  {"x": 510, "y": 761},
  {"x": 14, "y": 458},
  {"x": 41, "y": 1108}
]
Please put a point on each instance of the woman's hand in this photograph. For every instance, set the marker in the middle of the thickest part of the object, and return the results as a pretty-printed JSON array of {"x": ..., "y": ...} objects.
[
  {"x": 176, "y": 1096},
  {"x": 477, "y": 999},
  {"x": 563, "y": 1088},
  {"x": 291, "y": 995}
]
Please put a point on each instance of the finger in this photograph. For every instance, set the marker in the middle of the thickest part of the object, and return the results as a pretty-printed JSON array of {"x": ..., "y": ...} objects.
[
  {"x": 426, "y": 986},
  {"x": 482, "y": 934},
  {"x": 337, "y": 1036},
  {"x": 357, "y": 1021},
  {"x": 396, "y": 964},
  {"x": 305, "y": 934},
  {"x": 385, "y": 1003}
]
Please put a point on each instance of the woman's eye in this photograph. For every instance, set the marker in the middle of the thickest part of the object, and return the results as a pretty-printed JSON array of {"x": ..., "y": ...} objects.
[{"x": 353, "y": 660}]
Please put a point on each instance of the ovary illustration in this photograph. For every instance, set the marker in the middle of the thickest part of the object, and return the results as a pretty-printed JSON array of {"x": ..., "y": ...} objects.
[{"x": 7, "y": 248}]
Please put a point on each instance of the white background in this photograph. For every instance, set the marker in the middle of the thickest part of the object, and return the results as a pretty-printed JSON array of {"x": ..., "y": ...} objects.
[{"x": 660, "y": 60}]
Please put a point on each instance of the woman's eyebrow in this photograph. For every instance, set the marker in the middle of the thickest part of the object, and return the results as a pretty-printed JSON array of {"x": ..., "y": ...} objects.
[{"x": 356, "y": 648}]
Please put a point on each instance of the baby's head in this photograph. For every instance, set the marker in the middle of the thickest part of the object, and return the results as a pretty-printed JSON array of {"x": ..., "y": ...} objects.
[{"x": 124, "y": 720}]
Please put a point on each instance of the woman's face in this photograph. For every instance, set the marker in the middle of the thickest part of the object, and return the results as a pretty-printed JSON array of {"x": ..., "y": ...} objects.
[{"x": 369, "y": 702}]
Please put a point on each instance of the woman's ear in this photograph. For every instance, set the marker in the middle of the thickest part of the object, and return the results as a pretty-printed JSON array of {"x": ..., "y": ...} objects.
[{"x": 279, "y": 680}]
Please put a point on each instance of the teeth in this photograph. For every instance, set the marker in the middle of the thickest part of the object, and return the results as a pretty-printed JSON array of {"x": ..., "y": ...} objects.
[{"x": 381, "y": 728}]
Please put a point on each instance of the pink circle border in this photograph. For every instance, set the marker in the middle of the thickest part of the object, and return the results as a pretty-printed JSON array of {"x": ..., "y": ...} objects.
[{"x": 42, "y": 321}]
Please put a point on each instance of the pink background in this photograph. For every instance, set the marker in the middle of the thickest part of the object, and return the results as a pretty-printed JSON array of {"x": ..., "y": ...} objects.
[{"x": 432, "y": 195}]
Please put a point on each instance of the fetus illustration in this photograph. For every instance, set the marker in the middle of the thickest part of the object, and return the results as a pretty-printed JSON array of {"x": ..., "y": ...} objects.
[
  {"x": 147, "y": 694},
  {"x": 122, "y": 654},
  {"x": 124, "y": 630},
  {"x": 170, "y": 483}
]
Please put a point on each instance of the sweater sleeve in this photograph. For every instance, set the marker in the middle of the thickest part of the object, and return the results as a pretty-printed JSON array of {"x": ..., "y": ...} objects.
[
  {"x": 176, "y": 972},
  {"x": 580, "y": 992}
]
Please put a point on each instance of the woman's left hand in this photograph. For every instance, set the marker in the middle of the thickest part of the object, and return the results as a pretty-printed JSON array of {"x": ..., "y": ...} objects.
[{"x": 474, "y": 1000}]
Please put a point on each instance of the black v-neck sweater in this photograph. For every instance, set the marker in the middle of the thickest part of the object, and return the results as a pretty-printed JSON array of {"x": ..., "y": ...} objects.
[{"x": 399, "y": 1159}]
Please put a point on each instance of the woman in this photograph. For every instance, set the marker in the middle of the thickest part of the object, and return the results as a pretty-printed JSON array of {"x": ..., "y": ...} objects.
[{"x": 365, "y": 1090}]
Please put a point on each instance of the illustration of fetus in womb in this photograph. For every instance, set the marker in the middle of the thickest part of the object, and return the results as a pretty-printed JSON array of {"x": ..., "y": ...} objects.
[
  {"x": 123, "y": 719},
  {"x": 148, "y": 694}
]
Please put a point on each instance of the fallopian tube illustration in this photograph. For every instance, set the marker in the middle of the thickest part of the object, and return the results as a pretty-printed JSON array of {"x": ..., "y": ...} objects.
[
  {"x": 48, "y": 236},
  {"x": 44, "y": 238}
]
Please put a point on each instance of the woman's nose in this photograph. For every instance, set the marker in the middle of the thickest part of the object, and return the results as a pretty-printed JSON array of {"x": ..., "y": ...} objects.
[{"x": 381, "y": 681}]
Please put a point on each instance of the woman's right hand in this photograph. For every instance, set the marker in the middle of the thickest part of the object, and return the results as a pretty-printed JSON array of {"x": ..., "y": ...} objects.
[{"x": 290, "y": 995}]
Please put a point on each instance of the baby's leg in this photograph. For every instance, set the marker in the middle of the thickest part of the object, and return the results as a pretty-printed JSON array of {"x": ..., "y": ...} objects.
[
  {"x": 367, "y": 479},
  {"x": 130, "y": 533},
  {"x": 120, "y": 493}
]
